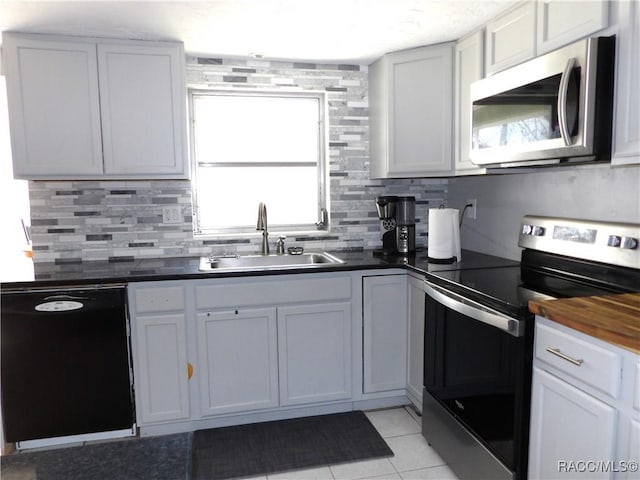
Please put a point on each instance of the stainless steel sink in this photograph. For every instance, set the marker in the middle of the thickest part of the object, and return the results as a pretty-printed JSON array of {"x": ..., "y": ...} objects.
[{"x": 267, "y": 262}]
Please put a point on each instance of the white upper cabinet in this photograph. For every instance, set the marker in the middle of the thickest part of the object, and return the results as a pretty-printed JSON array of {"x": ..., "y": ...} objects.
[
  {"x": 410, "y": 108},
  {"x": 536, "y": 28},
  {"x": 561, "y": 22},
  {"x": 95, "y": 109},
  {"x": 626, "y": 148},
  {"x": 54, "y": 109},
  {"x": 511, "y": 38},
  {"x": 143, "y": 108},
  {"x": 469, "y": 66}
]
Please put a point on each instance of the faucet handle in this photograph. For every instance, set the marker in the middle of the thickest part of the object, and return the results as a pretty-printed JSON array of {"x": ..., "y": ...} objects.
[{"x": 280, "y": 245}]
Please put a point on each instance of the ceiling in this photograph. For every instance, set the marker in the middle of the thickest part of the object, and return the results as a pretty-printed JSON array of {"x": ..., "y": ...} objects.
[{"x": 331, "y": 31}]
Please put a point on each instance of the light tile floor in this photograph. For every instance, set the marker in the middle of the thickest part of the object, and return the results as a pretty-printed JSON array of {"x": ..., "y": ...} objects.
[{"x": 413, "y": 458}]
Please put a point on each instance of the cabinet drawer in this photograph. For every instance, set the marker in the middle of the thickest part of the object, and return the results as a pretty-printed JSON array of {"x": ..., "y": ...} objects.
[
  {"x": 271, "y": 291},
  {"x": 588, "y": 363},
  {"x": 159, "y": 299}
]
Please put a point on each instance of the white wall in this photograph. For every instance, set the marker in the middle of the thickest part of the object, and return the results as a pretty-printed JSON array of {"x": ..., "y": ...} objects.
[
  {"x": 14, "y": 206},
  {"x": 588, "y": 192}
]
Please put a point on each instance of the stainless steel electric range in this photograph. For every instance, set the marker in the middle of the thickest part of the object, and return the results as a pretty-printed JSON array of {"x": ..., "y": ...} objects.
[{"x": 479, "y": 337}]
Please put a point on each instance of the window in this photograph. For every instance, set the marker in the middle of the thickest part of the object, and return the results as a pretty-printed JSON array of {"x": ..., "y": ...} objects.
[{"x": 252, "y": 147}]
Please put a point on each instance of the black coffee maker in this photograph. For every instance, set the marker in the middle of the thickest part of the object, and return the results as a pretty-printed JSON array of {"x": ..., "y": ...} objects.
[{"x": 398, "y": 216}]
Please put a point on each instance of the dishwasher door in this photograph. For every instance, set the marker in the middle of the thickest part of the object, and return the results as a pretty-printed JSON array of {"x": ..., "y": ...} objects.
[{"x": 65, "y": 363}]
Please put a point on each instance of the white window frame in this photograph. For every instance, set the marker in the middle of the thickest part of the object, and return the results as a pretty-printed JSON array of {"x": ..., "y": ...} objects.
[{"x": 322, "y": 223}]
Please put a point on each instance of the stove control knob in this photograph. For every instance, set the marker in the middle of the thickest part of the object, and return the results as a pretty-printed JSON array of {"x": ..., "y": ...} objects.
[
  {"x": 614, "y": 241},
  {"x": 537, "y": 231},
  {"x": 629, "y": 243},
  {"x": 527, "y": 229}
]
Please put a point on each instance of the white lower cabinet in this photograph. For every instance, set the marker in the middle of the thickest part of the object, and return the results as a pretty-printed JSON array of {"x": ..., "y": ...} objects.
[
  {"x": 209, "y": 349},
  {"x": 159, "y": 347},
  {"x": 632, "y": 454},
  {"x": 415, "y": 341},
  {"x": 314, "y": 345},
  {"x": 584, "y": 417},
  {"x": 220, "y": 351},
  {"x": 163, "y": 368},
  {"x": 385, "y": 333},
  {"x": 237, "y": 360},
  {"x": 570, "y": 426}
]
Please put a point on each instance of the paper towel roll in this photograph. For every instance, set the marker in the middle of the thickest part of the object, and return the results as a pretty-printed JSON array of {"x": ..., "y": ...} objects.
[{"x": 443, "y": 243}]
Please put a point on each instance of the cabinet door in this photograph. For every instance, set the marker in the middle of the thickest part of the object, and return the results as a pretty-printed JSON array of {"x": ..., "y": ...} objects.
[
  {"x": 237, "y": 360},
  {"x": 561, "y": 22},
  {"x": 420, "y": 111},
  {"x": 626, "y": 148},
  {"x": 567, "y": 425},
  {"x": 385, "y": 333},
  {"x": 314, "y": 343},
  {"x": 469, "y": 62},
  {"x": 142, "y": 101},
  {"x": 161, "y": 368},
  {"x": 629, "y": 450},
  {"x": 415, "y": 342},
  {"x": 511, "y": 38},
  {"x": 54, "y": 111},
  {"x": 633, "y": 447}
]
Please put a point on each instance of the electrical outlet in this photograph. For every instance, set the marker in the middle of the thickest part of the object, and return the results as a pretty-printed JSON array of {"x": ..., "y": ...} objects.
[
  {"x": 472, "y": 211},
  {"x": 172, "y": 214}
]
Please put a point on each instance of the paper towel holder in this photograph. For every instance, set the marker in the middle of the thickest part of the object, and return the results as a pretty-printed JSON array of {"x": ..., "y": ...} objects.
[{"x": 444, "y": 236}]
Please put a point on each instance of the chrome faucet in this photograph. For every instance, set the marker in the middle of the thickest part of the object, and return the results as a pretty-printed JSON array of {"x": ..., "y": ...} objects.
[{"x": 262, "y": 225}]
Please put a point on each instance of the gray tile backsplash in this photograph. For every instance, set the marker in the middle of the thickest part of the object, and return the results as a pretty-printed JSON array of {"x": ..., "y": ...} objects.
[{"x": 75, "y": 221}]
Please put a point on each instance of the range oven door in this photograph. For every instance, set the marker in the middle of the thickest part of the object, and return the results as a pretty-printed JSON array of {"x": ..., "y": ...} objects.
[{"x": 477, "y": 387}]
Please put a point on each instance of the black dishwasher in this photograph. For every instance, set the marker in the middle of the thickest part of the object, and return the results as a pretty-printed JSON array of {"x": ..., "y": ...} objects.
[{"x": 65, "y": 363}]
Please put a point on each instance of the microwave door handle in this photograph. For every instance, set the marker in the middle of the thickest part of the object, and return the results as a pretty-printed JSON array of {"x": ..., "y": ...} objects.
[{"x": 562, "y": 101}]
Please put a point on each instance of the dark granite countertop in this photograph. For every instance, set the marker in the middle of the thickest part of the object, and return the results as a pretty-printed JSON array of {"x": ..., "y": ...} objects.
[{"x": 181, "y": 268}]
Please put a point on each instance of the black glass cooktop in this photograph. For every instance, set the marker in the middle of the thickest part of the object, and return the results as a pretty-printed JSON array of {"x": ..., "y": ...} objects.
[
  {"x": 470, "y": 260},
  {"x": 498, "y": 288},
  {"x": 509, "y": 289}
]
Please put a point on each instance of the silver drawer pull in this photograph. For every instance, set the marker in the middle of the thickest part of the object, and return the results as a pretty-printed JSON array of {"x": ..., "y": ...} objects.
[{"x": 558, "y": 353}]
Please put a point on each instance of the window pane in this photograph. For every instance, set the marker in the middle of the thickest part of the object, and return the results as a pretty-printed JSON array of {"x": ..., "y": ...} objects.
[
  {"x": 248, "y": 128},
  {"x": 229, "y": 196}
]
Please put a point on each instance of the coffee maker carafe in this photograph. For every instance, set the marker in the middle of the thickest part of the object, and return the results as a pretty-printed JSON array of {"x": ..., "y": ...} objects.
[{"x": 398, "y": 220}]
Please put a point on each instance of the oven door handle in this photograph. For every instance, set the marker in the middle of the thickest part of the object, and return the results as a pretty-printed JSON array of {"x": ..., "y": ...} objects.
[{"x": 475, "y": 310}]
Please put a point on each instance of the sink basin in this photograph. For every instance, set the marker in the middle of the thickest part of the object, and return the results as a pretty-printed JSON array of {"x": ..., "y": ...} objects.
[{"x": 266, "y": 262}]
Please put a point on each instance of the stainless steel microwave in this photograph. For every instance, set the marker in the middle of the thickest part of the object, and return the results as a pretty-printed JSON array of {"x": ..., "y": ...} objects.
[{"x": 552, "y": 109}]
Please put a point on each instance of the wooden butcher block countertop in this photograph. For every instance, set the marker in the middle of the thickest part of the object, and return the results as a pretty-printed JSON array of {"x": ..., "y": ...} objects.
[{"x": 612, "y": 318}]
